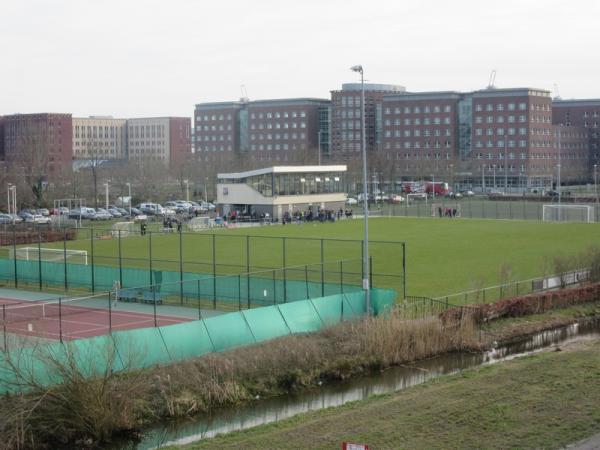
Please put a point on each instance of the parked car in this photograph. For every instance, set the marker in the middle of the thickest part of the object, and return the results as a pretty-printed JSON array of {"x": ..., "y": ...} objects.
[
  {"x": 15, "y": 218},
  {"x": 350, "y": 201},
  {"x": 43, "y": 211},
  {"x": 114, "y": 212},
  {"x": 102, "y": 214},
  {"x": 6, "y": 218},
  {"x": 495, "y": 193},
  {"x": 178, "y": 206},
  {"x": 552, "y": 193},
  {"x": 454, "y": 195},
  {"x": 467, "y": 193},
  {"x": 150, "y": 209},
  {"x": 82, "y": 213},
  {"x": 395, "y": 198},
  {"x": 36, "y": 218}
]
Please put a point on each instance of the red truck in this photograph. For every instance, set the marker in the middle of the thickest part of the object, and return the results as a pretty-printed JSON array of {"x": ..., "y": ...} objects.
[{"x": 439, "y": 187}]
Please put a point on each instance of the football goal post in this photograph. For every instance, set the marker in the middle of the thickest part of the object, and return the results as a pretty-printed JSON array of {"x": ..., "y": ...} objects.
[
  {"x": 123, "y": 229},
  {"x": 50, "y": 255},
  {"x": 567, "y": 213}
]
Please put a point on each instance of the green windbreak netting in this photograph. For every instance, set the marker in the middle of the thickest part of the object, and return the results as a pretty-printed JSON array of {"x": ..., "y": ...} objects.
[
  {"x": 301, "y": 317},
  {"x": 330, "y": 309},
  {"x": 139, "y": 348},
  {"x": 259, "y": 289},
  {"x": 266, "y": 323},
  {"x": 187, "y": 340},
  {"x": 228, "y": 331},
  {"x": 142, "y": 347}
]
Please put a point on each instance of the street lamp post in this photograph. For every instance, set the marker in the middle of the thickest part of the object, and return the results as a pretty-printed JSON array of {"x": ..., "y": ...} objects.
[
  {"x": 596, "y": 181},
  {"x": 365, "y": 281},
  {"x": 106, "y": 194},
  {"x": 129, "y": 193},
  {"x": 187, "y": 190},
  {"x": 8, "y": 196},
  {"x": 206, "y": 189},
  {"x": 483, "y": 179}
]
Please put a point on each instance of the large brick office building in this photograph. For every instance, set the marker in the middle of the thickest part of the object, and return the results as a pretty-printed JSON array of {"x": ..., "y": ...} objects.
[{"x": 282, "y": 130}]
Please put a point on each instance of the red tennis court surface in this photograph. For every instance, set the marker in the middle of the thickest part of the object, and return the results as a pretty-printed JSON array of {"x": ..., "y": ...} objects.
[{"x": 43, "y": 319}]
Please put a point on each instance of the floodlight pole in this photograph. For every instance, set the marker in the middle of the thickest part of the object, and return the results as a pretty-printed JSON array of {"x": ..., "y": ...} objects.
[
  {"x": 365, "y": 281},
  {"x": 187, "y": 190},
  {"x": 129, "y": 193}
]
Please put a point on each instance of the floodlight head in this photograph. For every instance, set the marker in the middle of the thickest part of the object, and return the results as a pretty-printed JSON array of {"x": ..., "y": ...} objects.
[{"x": 357, "y": 68}]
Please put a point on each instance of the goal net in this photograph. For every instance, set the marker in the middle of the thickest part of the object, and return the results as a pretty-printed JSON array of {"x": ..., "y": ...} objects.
[
  {"x": 50, "y": 255},
  {"x": 123, "y": 229},
  {"x": 568, "y": 213},
  {"x": 445, "y": 210},
  {"x": 200, "y": 223}
]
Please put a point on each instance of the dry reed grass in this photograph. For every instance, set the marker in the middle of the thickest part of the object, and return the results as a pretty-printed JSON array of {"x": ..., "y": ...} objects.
[{"x": 84, "y": 411}]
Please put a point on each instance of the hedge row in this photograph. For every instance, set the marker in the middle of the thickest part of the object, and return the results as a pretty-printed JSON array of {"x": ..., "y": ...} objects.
[{"x": 32, "y": 237}]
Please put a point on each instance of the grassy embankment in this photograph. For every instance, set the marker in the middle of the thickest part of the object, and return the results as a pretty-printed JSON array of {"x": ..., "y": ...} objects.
[{"x": 543, "y": 401}]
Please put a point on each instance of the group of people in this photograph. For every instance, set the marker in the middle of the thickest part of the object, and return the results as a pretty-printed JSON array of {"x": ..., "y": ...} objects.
[
  {"x": 168, "y": 224},
  {"x": 447, "y": 212}
]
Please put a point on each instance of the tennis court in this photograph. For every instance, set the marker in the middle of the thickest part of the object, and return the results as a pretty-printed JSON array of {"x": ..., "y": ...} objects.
[{"x": 74, "y": 318}]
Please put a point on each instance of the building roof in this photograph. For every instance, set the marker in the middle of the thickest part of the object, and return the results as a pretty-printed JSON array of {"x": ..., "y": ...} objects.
[
  {"x": 410, "y": 96},
  {"x": 511, "y": 92},
  {"x": 267, "y": 102},
  {"x": 284, "y": 169},
  {"x": 576, "y": 102}
]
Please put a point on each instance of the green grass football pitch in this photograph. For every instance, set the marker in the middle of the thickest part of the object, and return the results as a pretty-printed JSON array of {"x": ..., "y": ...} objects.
[{"x": 444, "y": 256}]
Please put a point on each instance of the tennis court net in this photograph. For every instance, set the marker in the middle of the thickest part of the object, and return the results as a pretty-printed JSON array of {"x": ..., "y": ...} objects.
[{"x": 40, "y": 310}]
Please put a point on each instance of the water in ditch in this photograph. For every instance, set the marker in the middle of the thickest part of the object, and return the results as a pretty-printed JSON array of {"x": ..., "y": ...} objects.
[{"x": 271, "y": 410}]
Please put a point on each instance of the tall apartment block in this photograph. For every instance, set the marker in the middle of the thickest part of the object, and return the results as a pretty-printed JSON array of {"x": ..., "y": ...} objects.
[
  {"x": 283, "y": 130},
  {"x": 583, "y": 114},
  {"x": 164, "y": 139},
  {"x": 486, "y": 138},
  {"x": 38, "y": 142},
  {"x": 99, "y": 137},
  {"x": 346, "y": 123}
]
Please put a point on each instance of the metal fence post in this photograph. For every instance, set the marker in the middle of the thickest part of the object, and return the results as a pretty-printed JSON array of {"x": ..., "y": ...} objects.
[
  {"x": 199, "y": 303},
  {"x": 40, "y": 260},
  {"x": 149, "y": 255},
  {"x": 60, "y": 336},
  {"x": 370, "y": 272},
  {"x": 154, "y": 304},
  {"x": 404, "y": 268},
  {"x": 65, "y": 258},
  {"x": 322, "y": 270},
  {"x": 239, "y": 292},
  {"x": 214, "y": 261},
  {"x": 92, "y": 259},
  {"x": 306, "y": 280},
  {"x": 341, "y": 276},
  {"x": 4, "y": 327},
  {"x": 180, "y": 265},
  {"x": 120, "y": 259},
  {"x": 248, "y": 269},
  {"x": 284, "y": 273},
  {"x": 15, "y": 255},
  {"x": 274, "y": 288},
  {"x": 110, "y": 310}
]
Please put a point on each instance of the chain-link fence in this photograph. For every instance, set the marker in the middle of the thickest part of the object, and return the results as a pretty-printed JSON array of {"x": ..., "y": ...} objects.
[
  {"x": 505, "y": 208},
  {"x": 92, "y": 259}
]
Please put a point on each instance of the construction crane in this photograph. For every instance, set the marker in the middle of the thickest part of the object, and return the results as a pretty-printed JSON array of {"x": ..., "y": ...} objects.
[
  {"x": 244, "y": 98},
  {"x": 556, "y": 92},
  {"x": 491, "y": 84}
]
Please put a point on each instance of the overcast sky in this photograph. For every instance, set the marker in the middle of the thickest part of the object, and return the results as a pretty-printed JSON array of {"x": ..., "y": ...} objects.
[{"x": 139, "y": 58}]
